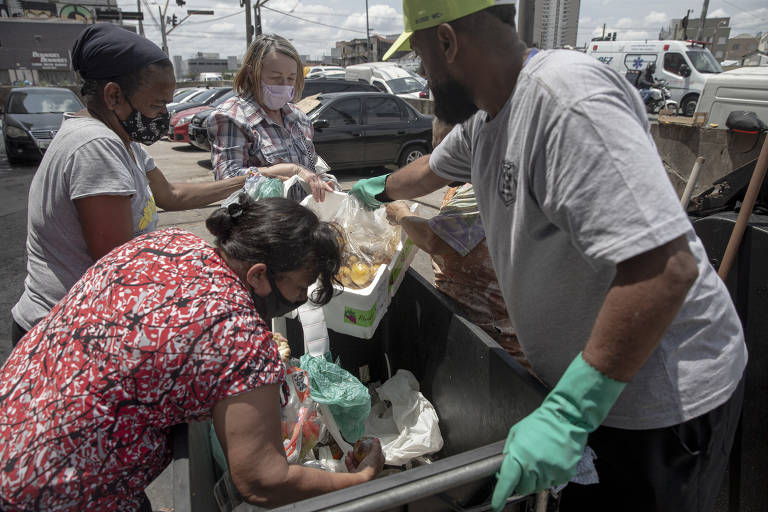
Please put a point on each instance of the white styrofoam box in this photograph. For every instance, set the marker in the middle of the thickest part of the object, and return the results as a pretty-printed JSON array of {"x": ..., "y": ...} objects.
[{"x": 358, "y": 312}]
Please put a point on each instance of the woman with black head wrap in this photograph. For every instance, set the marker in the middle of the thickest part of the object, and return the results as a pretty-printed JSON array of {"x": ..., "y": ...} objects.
[{"x": 96, "y": 186}]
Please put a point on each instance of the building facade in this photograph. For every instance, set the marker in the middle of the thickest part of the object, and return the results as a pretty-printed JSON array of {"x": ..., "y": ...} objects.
[
  {"x": 740, "y": 46},
  {"x": 716, "y": 31},
  {"x": 556, "y": 23},
  {"x": 357, "y": 52},
  {"x": 36, "y": 38}
]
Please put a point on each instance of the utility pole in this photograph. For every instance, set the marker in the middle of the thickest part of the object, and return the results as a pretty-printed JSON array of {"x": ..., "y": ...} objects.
[
  {"x": 257, "y": 15},
  {"x": 248, "y": 24},
  {"x": 702, "y": 20},
  {"x": 141, "y": 25},
  {"x": 367, "y": 35},
  {"x": 162, "y": 29}
]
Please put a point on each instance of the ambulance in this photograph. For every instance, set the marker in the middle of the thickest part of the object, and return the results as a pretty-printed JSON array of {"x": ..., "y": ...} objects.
[{"x": 685, "y": 65}]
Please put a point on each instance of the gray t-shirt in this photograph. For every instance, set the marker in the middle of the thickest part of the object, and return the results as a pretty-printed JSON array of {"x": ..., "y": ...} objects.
[
  {"x": 85, "y": 159},
  {"x": 570, "y": 184}
]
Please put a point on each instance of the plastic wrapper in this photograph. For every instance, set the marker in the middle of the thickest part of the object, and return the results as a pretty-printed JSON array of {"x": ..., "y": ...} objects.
[
  {"x": 370, "y": 241},
  {"x": 257, "y": 187},
  {"x": 301, "y": 426},
  {"x": 404, "y": 421}
]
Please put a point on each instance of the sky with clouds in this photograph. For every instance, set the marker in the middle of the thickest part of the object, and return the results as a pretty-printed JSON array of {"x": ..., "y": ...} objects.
[{"x": 315, "y": 25}]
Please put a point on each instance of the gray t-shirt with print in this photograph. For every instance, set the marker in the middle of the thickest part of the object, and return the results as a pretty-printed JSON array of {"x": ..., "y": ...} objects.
[
  {"x": 85, "y": 159},
  {"x": 570, "y": 184}
]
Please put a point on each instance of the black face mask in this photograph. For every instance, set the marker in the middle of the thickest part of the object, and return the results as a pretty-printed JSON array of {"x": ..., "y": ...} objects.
[
  {"x": 274, "y": 304},
  {"x": 146, "y": 130},
  {"x": 452, "y": 102}
]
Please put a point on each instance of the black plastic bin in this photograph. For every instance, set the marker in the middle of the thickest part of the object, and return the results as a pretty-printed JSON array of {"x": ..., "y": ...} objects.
[{"x": 478, "y": 391}]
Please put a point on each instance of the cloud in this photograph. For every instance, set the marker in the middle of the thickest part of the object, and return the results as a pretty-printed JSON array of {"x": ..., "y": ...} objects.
[
  {"x": 656, "y": 18},
  {"x": 717, "y": 13},
  {"x": 584, "y": 20},
  {"x": 750, "y": 21},
  {"x": 624, "y": 23}
]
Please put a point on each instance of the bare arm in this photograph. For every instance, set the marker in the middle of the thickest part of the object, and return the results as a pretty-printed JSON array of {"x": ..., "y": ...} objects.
[
  {"x": 414, "y": 180},
  {"x": 248, "y": 427},
  {"x": 418, "y": 229},
  {"x": 185, "y": 196},
  {"x": 286, "y": 170},
  {"x": 644, "y": 298},
  {"x": 106, "y": 222}
]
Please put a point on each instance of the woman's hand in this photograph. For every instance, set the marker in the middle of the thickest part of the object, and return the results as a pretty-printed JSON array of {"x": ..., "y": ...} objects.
[
  {"x": 371, "y": 465},
  {"x": 396, "y": 211},
  {"x": 318, "y": 186}
]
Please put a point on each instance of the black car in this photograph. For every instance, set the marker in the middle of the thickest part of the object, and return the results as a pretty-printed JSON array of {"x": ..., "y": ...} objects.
[
  {"x": 357, "y": 130},
  {"x": 33, "y": 115},
  {"x": 326, "y": 85}
]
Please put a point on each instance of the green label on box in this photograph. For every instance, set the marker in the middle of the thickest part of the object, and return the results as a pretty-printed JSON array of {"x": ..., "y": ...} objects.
[
  {"x": 359, "y": 317},
  {"x": 398, "y": 267}
]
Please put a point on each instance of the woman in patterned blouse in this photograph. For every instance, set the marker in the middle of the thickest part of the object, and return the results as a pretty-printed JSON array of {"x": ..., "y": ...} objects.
[
  {"x": 165, "y": 330},
  {"x": 260, "y": 130}
]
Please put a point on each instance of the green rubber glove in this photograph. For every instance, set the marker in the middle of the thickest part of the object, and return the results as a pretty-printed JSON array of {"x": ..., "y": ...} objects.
[
  {"x": 368, "y": 189},
  {"x": 544, "y": 448}
]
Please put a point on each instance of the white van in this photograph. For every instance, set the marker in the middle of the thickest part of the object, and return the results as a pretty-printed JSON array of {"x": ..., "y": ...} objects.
[
  {"x": 210, "y": 77},
  {"x": 738, "y": 89},
  {"x": 387, "y": 77},
  {"x": 684, "y": 65}
]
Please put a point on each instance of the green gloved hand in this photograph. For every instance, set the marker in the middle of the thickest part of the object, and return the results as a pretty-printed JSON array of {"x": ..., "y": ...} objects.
[
  {"x": 370, "y": 191},
  {"x": 544, "y": 448}
]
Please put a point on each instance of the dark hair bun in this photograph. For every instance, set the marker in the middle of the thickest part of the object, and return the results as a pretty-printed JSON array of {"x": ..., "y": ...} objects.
[{"x": 220, "y": 224}]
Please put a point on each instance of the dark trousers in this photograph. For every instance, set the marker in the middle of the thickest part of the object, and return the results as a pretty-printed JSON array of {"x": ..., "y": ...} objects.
[
  {"x": 675, "y": 469},
  {"x": 17, "y": 332}
]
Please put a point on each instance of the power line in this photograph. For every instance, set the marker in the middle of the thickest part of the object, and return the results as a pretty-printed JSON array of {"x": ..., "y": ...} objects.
[
  {"x": 215, "y": 19},
  {"x": 312, "y": 21}
]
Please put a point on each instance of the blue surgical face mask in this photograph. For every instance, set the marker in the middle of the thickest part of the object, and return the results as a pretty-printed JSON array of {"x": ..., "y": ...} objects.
[{"x": 146, "y": 130}]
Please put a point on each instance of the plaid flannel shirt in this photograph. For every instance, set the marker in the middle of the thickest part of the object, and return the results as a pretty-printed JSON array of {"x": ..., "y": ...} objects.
[{"x": 244, "y": 138}]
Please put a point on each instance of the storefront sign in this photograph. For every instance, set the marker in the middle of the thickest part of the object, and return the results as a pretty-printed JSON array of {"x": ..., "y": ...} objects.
[{"x": 49, "y": 60}]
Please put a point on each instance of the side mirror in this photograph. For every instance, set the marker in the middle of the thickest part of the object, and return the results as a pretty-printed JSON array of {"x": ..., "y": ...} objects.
[
  {"x": 685, "y": 70},
  {"x": 319, "y": 124}
]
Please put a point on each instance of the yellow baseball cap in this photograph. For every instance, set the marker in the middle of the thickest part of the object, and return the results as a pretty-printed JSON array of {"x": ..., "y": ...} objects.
[{"x": 421, "y": 14}]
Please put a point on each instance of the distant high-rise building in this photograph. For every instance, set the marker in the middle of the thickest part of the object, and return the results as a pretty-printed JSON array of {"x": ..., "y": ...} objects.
[{"x": 556, "y": 23}]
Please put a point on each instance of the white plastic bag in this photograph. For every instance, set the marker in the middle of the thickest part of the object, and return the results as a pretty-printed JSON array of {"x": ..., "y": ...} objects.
[{"x": 404, "y": 421}]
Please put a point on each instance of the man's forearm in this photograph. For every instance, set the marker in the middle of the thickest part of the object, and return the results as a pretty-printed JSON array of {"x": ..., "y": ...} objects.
[
  {"x": 645, "y": 296},
  {"x": 414, "y": 180}
]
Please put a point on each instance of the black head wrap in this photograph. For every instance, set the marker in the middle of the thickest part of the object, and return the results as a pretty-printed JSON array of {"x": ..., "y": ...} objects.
[{"x": 104, "y": 51}]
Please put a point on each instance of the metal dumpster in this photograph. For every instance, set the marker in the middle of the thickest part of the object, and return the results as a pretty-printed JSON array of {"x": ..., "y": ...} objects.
[{"x": 478, "y": 390}]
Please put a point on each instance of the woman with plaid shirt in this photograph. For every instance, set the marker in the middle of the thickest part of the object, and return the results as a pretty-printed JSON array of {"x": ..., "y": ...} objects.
[{"x": 259, "y": 131}]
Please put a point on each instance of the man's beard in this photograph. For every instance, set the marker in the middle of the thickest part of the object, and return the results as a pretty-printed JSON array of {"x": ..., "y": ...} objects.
[{"x": 452, "y": 102}]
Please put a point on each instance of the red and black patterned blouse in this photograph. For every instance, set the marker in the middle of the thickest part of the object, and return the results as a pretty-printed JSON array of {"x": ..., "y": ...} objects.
[{"x": 154, "y": 334}]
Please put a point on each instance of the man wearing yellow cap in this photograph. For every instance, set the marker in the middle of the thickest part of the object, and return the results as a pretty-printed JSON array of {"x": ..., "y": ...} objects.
[{"x": 607, "y": 284}]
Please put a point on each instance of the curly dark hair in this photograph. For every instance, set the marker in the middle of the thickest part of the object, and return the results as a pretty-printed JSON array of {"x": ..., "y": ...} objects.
[{"x": 283, "y": 235}]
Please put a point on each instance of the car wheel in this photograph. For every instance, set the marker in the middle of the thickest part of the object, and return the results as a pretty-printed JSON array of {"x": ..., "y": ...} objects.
[
  {"x": 411, "y": 153},
  {"x": 688, "y": 105}
]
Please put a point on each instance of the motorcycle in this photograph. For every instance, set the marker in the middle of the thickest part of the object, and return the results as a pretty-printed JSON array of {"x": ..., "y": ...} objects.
[{"x": 660, "y": 98}]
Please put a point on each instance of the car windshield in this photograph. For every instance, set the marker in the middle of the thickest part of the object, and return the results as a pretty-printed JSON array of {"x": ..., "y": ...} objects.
[
  {"x": 205, "y": 96},
  {"x": 182, "y": 95},
  {"x": 404, "y": 85},
  {"x": 43, "y": 102},
  {"x": 703, "y": 61}
]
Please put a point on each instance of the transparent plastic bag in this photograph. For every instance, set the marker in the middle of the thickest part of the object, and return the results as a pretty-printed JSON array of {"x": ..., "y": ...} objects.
[
  {"x": 370, "y": 241},
  {"x": 301, "y": 425},
  {"x": 259, "y": 187}
]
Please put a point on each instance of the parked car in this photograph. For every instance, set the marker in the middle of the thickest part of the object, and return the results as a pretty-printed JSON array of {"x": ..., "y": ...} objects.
[
  {"x": 387, "y": 77},
  {"x": 325, "y": 72},
  {"x": 358, "y": 130},
  {"x": 178, "y": 129},
  {"x": 198, "y": 132},
  {"x": 32, "y": 117},
  {"x": 203, "y": 98},
  {"x": 185, "y": 92},
  {"x": 324, "y": 85},
  {"x": 739, "y": 89}
]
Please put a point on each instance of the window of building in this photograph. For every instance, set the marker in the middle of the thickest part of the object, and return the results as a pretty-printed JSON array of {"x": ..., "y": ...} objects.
[{"x": 735, "y": 46}]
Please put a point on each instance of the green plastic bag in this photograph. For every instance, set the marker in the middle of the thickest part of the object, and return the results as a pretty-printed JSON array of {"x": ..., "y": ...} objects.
[
  {"x": 347, "y": 398},
  {"x": 260, "y": 187}
]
